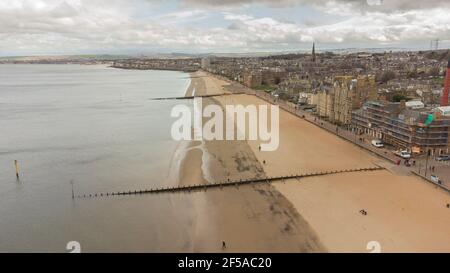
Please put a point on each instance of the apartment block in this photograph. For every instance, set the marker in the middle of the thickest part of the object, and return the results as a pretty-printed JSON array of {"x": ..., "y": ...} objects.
[{"x": 417, "y": 130}]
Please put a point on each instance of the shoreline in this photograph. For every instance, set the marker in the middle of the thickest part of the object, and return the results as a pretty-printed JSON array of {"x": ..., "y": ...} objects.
[{"x": 284, "y": 229}]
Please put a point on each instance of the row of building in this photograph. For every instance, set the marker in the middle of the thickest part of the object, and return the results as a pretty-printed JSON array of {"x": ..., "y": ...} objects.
[
  {"x": 185, "y": 64},
  {"x": 354, "y": 103},
  {"x": 406, "y": 125},
  {"x": 337, "y": 100},
  {"x": 412, "y": 125}
]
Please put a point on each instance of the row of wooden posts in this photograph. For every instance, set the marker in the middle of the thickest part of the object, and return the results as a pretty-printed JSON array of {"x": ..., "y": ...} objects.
[
  {"x": 197, "y": 187},
  {"x": 198, "y": 96},
  {"x": 16, "y": 165}
]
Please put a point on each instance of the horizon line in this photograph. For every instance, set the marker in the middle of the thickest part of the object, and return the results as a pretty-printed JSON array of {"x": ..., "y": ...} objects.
[{"x": 298, "y": 51}]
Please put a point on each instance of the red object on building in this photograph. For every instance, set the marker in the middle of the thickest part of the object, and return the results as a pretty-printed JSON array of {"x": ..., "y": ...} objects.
[{"x": 444, "y": 98}]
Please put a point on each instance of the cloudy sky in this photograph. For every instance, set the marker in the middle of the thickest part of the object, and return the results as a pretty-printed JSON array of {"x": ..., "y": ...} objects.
[{"x": 33, "y": 27}]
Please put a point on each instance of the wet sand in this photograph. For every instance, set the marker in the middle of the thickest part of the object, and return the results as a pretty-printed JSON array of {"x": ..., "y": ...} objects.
[
  {"x": 316, "y": 214},
  {"x": 248, "y": 218}
]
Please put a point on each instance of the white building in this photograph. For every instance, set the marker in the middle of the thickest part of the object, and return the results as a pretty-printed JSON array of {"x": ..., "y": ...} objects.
[{"x": 414, "y": 104}]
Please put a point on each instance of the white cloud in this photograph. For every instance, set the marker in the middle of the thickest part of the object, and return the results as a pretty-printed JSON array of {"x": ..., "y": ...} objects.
[
  {"x": 57, "y": 26},
  {"x": 361, "y": 5},
  {"x": 373, "y": 27}
]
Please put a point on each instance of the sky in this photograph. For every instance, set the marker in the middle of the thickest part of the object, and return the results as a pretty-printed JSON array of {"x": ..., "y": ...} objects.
[{"x": 42, "y": 27}]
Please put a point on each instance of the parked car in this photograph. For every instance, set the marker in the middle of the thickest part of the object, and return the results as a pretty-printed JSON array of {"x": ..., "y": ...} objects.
[
  {"x": 435, "y": 179},
  {"x": 377, "y": 143},
  {"x": 443, "y": 158},
  {"x": 403, "y": 154}
]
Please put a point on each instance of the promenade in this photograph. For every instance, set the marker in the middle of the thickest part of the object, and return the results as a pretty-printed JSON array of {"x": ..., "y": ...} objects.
[{"x": 422, "y": 167}]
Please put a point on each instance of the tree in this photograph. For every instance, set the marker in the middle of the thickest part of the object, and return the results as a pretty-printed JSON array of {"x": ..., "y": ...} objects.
[
  {"x": 387, "y": 76},
  {"x": 399, "y": 97},
  {"x": 413, "y": 74},
  {"x": 434, "y": 71}
]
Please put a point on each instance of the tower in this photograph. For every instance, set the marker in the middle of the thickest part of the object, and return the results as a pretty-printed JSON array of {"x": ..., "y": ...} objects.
[
  {"x": 444, "y": 98},
  {"x": 314, "y": 52}
]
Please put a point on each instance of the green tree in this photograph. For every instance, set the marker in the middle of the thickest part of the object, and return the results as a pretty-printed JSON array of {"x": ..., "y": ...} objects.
[{"x": 399, "y": 97}]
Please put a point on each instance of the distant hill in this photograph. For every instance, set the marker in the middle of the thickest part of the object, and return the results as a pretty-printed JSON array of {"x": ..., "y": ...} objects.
[{"x": 62, "y": 58}]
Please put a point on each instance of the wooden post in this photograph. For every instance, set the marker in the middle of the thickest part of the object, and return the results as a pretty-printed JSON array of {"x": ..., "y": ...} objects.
[
  {"x": 73, "y": 194},
  {"x": 16, "y": 164}
]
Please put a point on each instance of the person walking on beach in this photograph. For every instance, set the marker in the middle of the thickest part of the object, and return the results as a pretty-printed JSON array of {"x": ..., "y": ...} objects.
[{"x": 224, "y": 246}]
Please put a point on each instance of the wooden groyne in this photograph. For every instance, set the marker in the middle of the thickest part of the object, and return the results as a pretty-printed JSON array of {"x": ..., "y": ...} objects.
[
  {"x": 236, "y": 183},
  {"x": 201, "y": 96}
]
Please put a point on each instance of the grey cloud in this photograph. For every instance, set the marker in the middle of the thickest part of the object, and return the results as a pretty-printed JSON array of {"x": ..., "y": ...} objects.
[
  {"x": 106, "y": 25},
  {"x": 355, "y": 5}
]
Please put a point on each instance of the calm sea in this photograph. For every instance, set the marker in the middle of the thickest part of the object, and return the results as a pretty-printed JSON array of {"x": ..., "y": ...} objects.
[{"x": 95, "y": 126}]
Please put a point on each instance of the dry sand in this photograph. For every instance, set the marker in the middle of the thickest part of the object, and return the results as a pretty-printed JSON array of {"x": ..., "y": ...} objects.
[
  {"x": 405, "y": 214},
  {"x": 317, "y": 214}
]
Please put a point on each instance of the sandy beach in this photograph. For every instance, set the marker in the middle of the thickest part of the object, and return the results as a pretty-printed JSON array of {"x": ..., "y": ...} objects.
[{"x": 317, "y": 214}]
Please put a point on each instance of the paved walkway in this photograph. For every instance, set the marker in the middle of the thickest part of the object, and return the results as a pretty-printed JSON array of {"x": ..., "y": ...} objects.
[{"x": 441, "y": 169}]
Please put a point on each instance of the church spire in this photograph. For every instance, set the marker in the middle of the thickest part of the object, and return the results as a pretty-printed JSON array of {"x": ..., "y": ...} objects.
[{"x": 314, "y": 52}]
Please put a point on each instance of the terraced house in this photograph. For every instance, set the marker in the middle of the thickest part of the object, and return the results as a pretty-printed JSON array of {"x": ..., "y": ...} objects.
[{"x": 346, "y": 94}]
